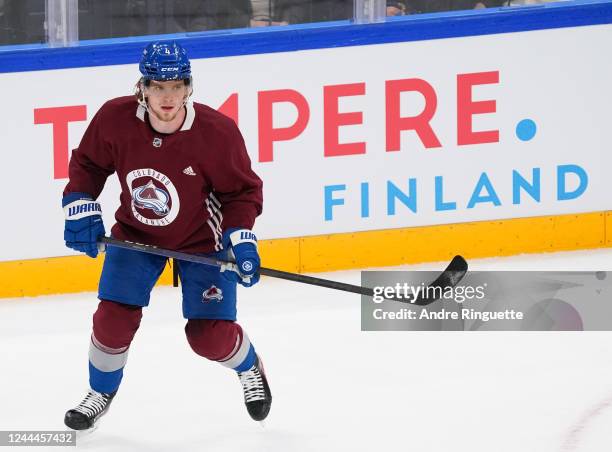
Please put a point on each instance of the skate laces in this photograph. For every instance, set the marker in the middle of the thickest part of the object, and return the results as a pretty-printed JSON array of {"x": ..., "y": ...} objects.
[
  {"x": 252, "y": 384},
  {"x": 93, "y": 403}
]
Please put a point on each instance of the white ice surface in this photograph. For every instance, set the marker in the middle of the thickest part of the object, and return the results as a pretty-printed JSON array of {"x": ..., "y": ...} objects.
[{"x": 335, "y": 388}]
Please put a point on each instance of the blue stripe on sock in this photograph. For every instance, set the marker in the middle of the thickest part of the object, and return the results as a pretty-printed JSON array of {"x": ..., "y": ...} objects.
[
  {"x": 248, "y": 361},
  {"x": 106, "y": 382}
]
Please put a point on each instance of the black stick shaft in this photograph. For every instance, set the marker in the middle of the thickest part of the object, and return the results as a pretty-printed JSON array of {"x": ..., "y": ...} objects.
[
  {"x": 206, "y": 260},
  {"x": 455, "y": 271}
]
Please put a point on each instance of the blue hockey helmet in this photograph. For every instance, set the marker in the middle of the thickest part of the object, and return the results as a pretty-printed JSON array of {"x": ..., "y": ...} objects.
[{"x": 163, "y": 61}]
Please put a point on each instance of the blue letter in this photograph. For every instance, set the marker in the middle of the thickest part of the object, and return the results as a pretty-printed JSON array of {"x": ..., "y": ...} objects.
[
  {"x": 440, "y": 204},
  {"x": 491, "y": 196},
  {"x": 562, "y": 193},
  {"x": 518, "y": 182},
  {"x": 365, "y": 200},
  {"x": 409, "y": 200},
  {"x": 330, "y": 201}
]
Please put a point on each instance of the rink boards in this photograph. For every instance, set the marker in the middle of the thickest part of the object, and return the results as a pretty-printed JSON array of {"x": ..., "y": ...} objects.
[{"x": 429, "y": 138}]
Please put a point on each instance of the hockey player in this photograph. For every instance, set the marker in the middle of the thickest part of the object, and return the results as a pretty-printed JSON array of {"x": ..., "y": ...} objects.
[{"x": 186, "y": 184}]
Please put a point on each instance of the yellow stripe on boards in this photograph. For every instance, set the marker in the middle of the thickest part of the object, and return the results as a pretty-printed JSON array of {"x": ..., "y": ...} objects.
[
  {"x": 439, "y": 243},
  {"x": 348, "y": 250},
  {"x": 608, "y": 232},
  {"x": 55, "y": 275}
]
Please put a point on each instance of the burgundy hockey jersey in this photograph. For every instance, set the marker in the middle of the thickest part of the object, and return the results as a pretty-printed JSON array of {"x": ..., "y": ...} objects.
[{"x": 178, "y": 191}]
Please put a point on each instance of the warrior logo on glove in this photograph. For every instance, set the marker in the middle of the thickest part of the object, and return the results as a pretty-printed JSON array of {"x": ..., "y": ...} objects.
[
  {"x": 82, "y": 208},
  {"x": 247, "y": 235}
]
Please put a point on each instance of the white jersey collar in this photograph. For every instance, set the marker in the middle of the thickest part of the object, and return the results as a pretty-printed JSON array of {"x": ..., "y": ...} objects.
[
  {"x": 140, "y": 112},
  {"x": 190, "y": 116}
]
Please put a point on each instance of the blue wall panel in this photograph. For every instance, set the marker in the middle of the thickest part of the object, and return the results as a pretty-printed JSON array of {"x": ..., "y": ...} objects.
[{"x": 325, "y": 35}]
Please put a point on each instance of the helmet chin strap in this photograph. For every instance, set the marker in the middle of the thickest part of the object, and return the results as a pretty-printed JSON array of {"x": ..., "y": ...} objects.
[
  {"x": 186, "y": 99},
  {"x": 141, "y": 97},
  {"x": 190, "y": 93}
]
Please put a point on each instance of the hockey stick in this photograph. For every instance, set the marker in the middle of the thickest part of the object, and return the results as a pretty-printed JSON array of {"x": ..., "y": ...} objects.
[{"x": 450, "y": 277}]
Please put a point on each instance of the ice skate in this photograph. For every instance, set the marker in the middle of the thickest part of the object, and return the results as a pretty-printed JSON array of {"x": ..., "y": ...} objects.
[
  {"x": 257, "y": 395},
  {"x": 87, "y": 413}
]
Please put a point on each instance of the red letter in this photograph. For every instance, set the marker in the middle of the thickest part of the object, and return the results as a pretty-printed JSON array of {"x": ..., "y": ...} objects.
[
  {"x": 419, "y": 123},
  {"x": 332, "y": 120},
  {"x": 466, "y": 108},
  {"x": 267, "y": 133},
  {"x": 60, "y": 117},
  {"x": 230, "y": 107}
]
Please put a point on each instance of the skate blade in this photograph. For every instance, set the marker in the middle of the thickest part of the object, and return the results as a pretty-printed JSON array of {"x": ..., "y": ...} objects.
[
  {"x": 262, "y": 424},
  {"x": 82, "y": 436}
]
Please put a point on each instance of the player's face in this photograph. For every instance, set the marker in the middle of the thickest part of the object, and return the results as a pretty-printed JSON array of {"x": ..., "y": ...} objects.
[{"x": 166, "y": 99}]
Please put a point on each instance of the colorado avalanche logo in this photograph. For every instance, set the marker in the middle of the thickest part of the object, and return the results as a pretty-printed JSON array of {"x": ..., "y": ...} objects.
[
  {"x": 155, "y": 200},
  {"x": 212, "y": 293},
  {"x": 150, "y": 197}
]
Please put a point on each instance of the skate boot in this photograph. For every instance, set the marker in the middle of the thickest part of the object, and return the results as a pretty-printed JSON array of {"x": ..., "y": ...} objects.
[
  {"x": 257, "y": 395},
  {"x": 85, "y": 414}
]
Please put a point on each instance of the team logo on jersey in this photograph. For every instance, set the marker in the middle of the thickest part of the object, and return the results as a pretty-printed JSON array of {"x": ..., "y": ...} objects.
[
  {"x": 212, "y": 293},
  {"x": 150, "y": 197},
  {"x": 157, "y": 142},
  {"x": 155, "y": 200}
]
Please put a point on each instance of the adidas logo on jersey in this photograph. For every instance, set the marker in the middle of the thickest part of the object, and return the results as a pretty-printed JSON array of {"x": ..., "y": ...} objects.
[{"x": 189, "y": 171}]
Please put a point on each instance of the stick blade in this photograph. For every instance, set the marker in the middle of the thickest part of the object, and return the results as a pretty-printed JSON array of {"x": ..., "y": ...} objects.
[{"x": 450, "y": 277}]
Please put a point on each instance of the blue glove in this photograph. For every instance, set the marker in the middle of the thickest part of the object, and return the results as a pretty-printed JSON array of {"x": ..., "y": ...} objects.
[
  {"x": 243, "y": 243},
  {"x": 83, "y": 223}
]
